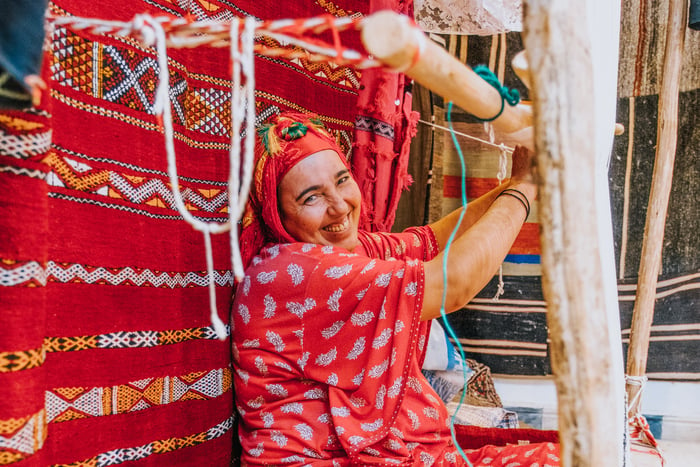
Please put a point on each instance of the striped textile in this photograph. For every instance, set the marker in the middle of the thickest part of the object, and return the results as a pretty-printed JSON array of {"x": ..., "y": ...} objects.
[{"x": 510, "y": 335}]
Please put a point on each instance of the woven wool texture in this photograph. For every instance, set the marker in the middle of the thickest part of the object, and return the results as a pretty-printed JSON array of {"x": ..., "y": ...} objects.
[{"x": 107, "y": 353}]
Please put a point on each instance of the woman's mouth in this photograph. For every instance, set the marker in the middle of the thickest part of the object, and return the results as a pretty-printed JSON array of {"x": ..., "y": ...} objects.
[{"x": 335, "y": 228}]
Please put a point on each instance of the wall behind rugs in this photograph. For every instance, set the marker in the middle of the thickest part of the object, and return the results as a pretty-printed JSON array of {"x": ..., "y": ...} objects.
[
  {"x": 510, "y": 335},
  {"x": 107, "y": 352}
]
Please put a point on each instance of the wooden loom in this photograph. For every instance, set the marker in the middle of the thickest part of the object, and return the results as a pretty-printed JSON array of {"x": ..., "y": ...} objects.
[{"x": 572, "y": 148}]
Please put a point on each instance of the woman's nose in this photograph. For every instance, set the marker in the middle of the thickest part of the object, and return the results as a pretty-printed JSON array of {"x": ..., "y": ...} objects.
[{"x": 337, "y": 204}]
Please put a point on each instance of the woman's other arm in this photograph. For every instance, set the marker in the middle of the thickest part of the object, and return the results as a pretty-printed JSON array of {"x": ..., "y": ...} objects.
[{"x": 482, "y": 243}]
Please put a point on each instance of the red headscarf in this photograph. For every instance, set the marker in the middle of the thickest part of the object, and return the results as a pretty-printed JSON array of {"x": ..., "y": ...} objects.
[{"x": 279, "y": 146}]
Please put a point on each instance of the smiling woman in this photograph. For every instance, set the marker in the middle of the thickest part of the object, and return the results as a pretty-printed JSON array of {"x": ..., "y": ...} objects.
[{"x": 330, "y": 323}]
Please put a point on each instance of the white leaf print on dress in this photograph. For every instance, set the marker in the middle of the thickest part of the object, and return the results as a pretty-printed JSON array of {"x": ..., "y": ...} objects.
[
  {"x": 414, "y": 383},
  {"x": 427, "y": 459},
  {"x": 270, "y": 306},
  {"x": 266, "y": 277},
  {"x": 372, "y": 452},
  {"x": 303, "y": 360},
  {"x": 340, "y": 411},
  {"x": 305, "y": 431},
  {"x": 382, "y": 310},
  {"x": 332, "y": 330},
  {"x": 273, "y": 251},
  {"x": 361, "y": 294},
  {"x": 267, "y": 418},
  {"x": 250, "y": 344},
  {"x": 400, "y": 273},
  {"x": 299, "y": 309},
  {"x": 358, "y": 402},
  {"x": 411, "y": 289},
  {"x": 276, "y": 340},
  {"x": 399, "y": 326},
  {"x": 381, "y": 396},
  {"x": 296, "y": 273},
  {"x": 332, "y": 379},
  {"x": 328, "y": 249},
  {"x": 260, "y": 365},
  {"x": 383, "y": 280},
  {"x": 316, "y": 394},
  {"x": 357, "y": 379},
  {"x": 283, "y": 365},
  {"x": 369, "y": 266},
  {"x": 431, "y": 412},
  {"x": 256, "y": 403},
  {"x": 415, "y": 421},
  {"x": 277, "y": 390},
  {"x": 395, "y": 388},
  {"x": 257, "y": 451},
  {"x": 292, "y": 407},
  {"x": 392, "y": 445},
  {"x": 362, "y": 319},
  {"x": 371, "y": 427},
  {"x": 278, "y": 438},
  {"x": 378, "y": 370},
  {"x": 324, "y": 418},
  {"x": 245, "y": 285},
  {"x": 244, "y": 313},
  {"x": 336, "y": 272},
  {"x": 334, "y": 300},
  {"x": 244, "y": 375},
  {"x": 355, "y": 440},
  {"x": 327, "y": 358},
  {"x": 398, "y": 433},
  {"x": 308, "y": 247},
  {"x": 357, "y": 349},
  {"x": 382, "y": 339}
]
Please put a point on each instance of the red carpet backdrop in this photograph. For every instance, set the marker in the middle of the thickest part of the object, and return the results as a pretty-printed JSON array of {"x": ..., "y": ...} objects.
[{"x": 107, "y": 353}]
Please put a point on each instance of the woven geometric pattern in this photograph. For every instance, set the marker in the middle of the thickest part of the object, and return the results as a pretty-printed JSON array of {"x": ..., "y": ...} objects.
[
  {"x": 21, "y": 360},
  {"x": 163, "y": 446},
  {"x": 103, "y": 285},
  {"x": 128, "y": 339},
  {"x": 22, "y": 437},
  {"x": 64, "y": 404}
]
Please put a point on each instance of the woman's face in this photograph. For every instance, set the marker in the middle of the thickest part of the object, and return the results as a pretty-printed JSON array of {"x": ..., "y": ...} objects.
[{"x": 319, "y": 201}]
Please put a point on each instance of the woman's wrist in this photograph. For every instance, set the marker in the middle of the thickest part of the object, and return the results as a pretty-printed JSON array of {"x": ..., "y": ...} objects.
[{"x": 524, "y": 192}]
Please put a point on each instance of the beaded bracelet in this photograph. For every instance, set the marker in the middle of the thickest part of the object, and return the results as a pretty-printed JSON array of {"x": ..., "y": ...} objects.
[{"x": 522, "y": 198}]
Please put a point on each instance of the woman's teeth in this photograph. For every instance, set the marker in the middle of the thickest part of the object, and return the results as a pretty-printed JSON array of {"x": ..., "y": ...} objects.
[{"x": 337, "y": 227}]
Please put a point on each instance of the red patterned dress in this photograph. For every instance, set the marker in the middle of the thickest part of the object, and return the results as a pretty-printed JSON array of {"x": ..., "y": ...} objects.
[{"x": 328, "y": 348}]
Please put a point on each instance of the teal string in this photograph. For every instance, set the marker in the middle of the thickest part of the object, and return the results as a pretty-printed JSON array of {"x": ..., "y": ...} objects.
[
  {"x": 511, "y": 96},
  {"x": 443, "y": 315}
]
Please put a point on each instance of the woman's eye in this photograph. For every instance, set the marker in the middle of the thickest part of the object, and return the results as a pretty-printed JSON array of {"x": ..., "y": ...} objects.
[
  {"x": 343, "y": 179},
  {"x": 310, "y": 199}
]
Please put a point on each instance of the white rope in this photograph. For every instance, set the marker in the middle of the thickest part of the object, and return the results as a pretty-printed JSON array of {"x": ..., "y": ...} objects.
[
  {"x": 151, "y": 29},
  {"x": 636, "y": 381},
  {"x": 242, "y": 108},
  {"x": 502, "y": 146},
  {"x": 501, "y": 175}
]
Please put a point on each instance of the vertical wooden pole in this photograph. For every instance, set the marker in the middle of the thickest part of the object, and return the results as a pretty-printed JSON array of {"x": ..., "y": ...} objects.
[
  {"x": 574, "y": 74},
  {"x": 666, "y": 140}
]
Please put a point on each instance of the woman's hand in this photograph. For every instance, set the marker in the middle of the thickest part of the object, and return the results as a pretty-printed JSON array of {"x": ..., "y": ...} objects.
[{"x": 523, "y": 167}]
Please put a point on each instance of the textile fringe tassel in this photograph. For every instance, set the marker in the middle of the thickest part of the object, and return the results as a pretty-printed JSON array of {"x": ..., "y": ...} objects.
[{"x": 501, "y": 175}]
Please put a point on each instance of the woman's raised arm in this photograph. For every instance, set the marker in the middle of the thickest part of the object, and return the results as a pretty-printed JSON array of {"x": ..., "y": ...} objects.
[{"x": 488, "y": 230}]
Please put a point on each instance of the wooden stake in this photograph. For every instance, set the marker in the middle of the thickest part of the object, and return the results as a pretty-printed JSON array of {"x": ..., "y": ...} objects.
[
  {"x": 666, "y": 141},
  {"x": 569, "y": 70},
  {"x": 395, "y": 41}
]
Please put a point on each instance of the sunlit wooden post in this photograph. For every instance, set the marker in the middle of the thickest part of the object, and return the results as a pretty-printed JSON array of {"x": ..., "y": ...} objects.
[
  {"x": 666, "y": 142},
  {"x": 572, "y": 51}
]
